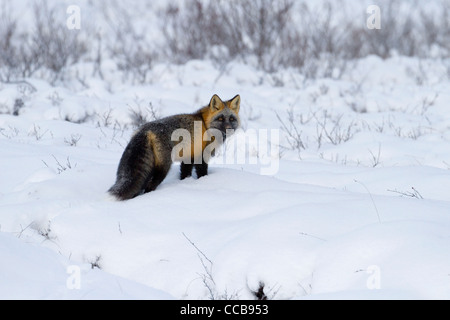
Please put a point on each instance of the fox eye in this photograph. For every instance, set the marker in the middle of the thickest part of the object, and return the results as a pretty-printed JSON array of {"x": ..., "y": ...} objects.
[
  {"x": 232, "y": 119},
  {"x": 220, "y": 119}
]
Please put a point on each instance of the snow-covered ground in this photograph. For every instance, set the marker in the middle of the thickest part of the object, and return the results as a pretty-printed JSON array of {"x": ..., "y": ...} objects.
[
  {"x": 365, "y": 217},
  {"x": 360, "y": 210}
]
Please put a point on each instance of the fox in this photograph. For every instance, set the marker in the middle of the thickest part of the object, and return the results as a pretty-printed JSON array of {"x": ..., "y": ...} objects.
[{"x": 148, "y": 156}]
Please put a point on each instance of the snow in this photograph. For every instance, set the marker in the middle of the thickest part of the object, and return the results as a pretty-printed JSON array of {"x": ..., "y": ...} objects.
[
  {"x": 30, "y": 271},
  {"x": 364, "y": 216}
]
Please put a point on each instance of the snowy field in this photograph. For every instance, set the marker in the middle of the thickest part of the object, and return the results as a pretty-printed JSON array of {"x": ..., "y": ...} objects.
[{"x": 358, "y": 206}]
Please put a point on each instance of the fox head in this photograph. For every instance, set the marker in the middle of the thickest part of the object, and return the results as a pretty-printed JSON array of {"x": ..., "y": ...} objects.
[{"x": 224, "y": 116}]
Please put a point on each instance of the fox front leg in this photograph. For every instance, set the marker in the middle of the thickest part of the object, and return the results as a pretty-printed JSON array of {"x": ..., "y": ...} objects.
[
  {"x": 186, "y": 170},
  {"x": 201, "y": 169}
]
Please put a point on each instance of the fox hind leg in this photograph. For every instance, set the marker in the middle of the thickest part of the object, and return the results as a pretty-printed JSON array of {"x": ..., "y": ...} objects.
[
  {"x": 157, "y": 176},
  {"x": 135, "y": 168}
]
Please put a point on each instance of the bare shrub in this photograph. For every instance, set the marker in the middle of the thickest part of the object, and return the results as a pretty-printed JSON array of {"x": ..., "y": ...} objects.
[
  {"x": 17, "y": 60},
  {"x": 398, "y": 36},
  {"x": 133, "y": 53},
  {"x": 7, "y": 30},
  {"x": 259, "y": 293},
  {"x": 267, "y": 23},
  {"x": 73, "y": 140},
  {"x": 331, "y": 128},
  {"x": 317, "y": 40},
  {"x": 291, "y": 127},
  {"x": 208, "y": 278},
  {"x": 61, "y": 167},
  {"x": 182, "y": 46},
  {"x": 56, "y": 46},
  {"x": 411, "y": 30},
  {"x": 142, "y": 115},
  {"x": 412, "y": 194},
  {"x": 225, "y": 30},
  {"x": 50, "y": 47},
  {"x": 37, "y": 132}
]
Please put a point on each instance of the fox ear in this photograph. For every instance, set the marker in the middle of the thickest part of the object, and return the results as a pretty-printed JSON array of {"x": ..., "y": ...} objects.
[
  {"x": 216, "y": 103},
  {"x": 235, "y": 103}
]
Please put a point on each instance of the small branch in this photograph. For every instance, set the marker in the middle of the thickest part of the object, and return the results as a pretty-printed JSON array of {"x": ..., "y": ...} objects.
[
  {"x": 196, "y": 248},
  {"x": 414, "y": 194},
  {"x": 371, "y": 197},
  {"x": 207, "y": 277},
  {"x": 309, "y": 235},
  {"x": 376, "y": 158}
]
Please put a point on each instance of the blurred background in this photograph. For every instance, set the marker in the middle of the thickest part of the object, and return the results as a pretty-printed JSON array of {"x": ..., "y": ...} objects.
[{"x": 315, "y": 38}]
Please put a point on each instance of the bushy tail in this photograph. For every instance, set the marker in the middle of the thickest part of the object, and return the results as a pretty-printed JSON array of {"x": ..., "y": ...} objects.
[
  {"x": 135, "y": 169},
  {"x": 125, "y": 189}
]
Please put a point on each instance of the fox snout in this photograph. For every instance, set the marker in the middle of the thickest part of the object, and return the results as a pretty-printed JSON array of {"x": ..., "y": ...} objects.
[{"x": 228, "y": 126}]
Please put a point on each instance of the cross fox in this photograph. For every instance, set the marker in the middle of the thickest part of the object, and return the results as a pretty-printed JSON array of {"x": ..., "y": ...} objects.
[{"x": 149, "y": 154}]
